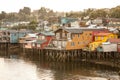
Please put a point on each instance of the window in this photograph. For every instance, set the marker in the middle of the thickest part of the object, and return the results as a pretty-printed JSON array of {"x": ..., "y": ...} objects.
[
  {"x": 73, "y": 35},
  {"x": 82, "y": 37},
  {"x": 63, "y": 43},
  {"x": 80, "y": 43},
  {"x": 78, "y": 35},
  {"x": 68, "y": 35},
  {"x": 102, "y": 38},
  {"x": 72, "y": 44},
  {"x": 63, "y": 34},
  {"x": 57, "y": 35},
  {"x": 4, "y": 33},
  {"x": 55, "y": 43},
  {"x": 43, "y": 37},
  {"x": 96, "y": 38},
  {"x": 33, "y": 44},
  {"x": 15, "y": 34},
  {"x": 38, "y": 45},
  {"x": 90, "y": 34},
  {"x": 8, "y": 33}
]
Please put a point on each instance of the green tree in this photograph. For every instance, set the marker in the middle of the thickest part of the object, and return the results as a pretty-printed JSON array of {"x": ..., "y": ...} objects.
[
  {"x": 115, "y": 12},
  {"x": 25, "y": 10},
  {"x": 98, "y": 13},
  {"x": 24, "y": 14},
  {"x": 2, "y": 15},
  {"x": 32, "y": 25}
]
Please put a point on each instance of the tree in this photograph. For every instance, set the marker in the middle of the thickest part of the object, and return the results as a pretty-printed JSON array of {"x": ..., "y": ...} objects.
[
  {"x": 25, "y": 10},
  {"x": 32, "y": 25},
  {"x": 98, "y": 13},
  {"x": 11, "y": 17},
  {"x": 2, "y": 15},
  {"x": 24, "y": 14},
  {"x": 115, "y": 12}
]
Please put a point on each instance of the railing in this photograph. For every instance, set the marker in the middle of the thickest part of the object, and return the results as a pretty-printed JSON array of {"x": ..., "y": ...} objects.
[{"x": 54, "y": 48}]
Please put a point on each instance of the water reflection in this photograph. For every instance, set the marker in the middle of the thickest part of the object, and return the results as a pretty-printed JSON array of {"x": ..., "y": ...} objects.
[
  {"x": 34, "y": 67},
  {"x": 13, "y": 69}
]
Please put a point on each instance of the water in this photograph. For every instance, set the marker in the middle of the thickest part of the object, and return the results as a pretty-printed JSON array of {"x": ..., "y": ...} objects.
[{"x": 16, "y": 67}]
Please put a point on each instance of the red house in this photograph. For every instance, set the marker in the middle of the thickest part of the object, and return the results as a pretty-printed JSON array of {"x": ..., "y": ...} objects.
[
  {"x": 99, "y": 31},
  {"x": 44, "y": 38}
]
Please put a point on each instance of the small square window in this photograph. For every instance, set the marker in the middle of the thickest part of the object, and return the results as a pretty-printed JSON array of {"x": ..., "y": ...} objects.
[
  {"x": 72, "y": 44},
  {"x": 38, "y": 45},
  {"x": 90, "y": 34},
  {"x": 78, "y": 35},
  {"x": 33, "y": 44}
]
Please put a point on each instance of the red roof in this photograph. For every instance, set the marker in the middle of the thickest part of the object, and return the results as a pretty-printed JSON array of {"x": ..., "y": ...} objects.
[
  {"x": 114, "y": 40},
  {"x": 102, "y": 34}
]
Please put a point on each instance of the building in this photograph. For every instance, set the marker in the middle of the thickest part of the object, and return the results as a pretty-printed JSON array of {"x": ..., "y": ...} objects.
[
  {"x": 43, "y": 40},
  {"x": 115, "y": 41},
  {"x": 97, "y": 21},
  {"x": 73, "y": 38},
  {"x": 105, "y": 36},
  {"x": 66, "y": 21},
  {"x": 12, "y": 36},
  {"x": 28, "y": 39},
  {"x": 114, "y": 23},
  {"x": 101, "y": 38}
]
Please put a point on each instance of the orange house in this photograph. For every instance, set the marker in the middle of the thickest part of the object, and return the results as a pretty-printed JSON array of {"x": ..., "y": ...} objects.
[{"x": 72, "y": 38}]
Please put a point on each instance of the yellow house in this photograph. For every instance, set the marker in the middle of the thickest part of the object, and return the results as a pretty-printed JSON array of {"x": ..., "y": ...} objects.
[
  {"x": 79, "y": 40},
  {"x": 94, "y": 45},
  {"x": 100, "y": 38},
  {"x": 72, "y": 38}
]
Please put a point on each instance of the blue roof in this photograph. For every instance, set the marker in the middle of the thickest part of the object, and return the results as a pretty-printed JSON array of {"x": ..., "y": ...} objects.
[{"x": 65, "y": 20}]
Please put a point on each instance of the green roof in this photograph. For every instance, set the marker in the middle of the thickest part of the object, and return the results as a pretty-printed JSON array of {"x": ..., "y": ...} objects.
[
  {"x": 47, "y": 33},
  {"x": 40, "y": 41}
]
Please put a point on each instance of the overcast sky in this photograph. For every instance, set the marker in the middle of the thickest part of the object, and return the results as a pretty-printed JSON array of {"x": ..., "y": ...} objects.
[{"x": 56, "y": 5}]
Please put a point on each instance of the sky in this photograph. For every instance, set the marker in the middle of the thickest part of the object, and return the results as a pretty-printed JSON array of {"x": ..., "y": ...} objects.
[{"x": 56, "y": 5}]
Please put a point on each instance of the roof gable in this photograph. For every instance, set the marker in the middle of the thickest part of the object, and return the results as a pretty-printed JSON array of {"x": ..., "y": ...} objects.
[{"x": 46, "y": 33}]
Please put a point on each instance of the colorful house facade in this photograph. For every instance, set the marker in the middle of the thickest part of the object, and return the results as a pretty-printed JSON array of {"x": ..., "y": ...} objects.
[
  {"x": 103, "y": 37},
  {"x": 11, "y": 36},
  {"x": 100, "y": 38},
  {"x": 72, "y": 38},
  {"x": 44, "y": 38},
  {"x": 28, "y": 39}
]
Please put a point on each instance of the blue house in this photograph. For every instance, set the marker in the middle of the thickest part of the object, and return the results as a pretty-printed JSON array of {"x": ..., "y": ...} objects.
[
  {"x": 15, "y": 35},
  {"x": 12, "y": 36}
]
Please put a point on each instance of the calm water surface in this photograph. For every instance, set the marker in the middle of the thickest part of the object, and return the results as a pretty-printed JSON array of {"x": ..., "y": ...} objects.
[{"x": 14, "y": 67}]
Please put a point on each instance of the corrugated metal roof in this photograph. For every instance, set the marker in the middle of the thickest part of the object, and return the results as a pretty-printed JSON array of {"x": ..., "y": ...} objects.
[
  {"x": 40, "y": 41},
  {"x": 78, "y": 30},
  {"x": 47, "y": 33},
  {"x": 31, "y": 35},
  {"x": 74, "y": 30}
]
